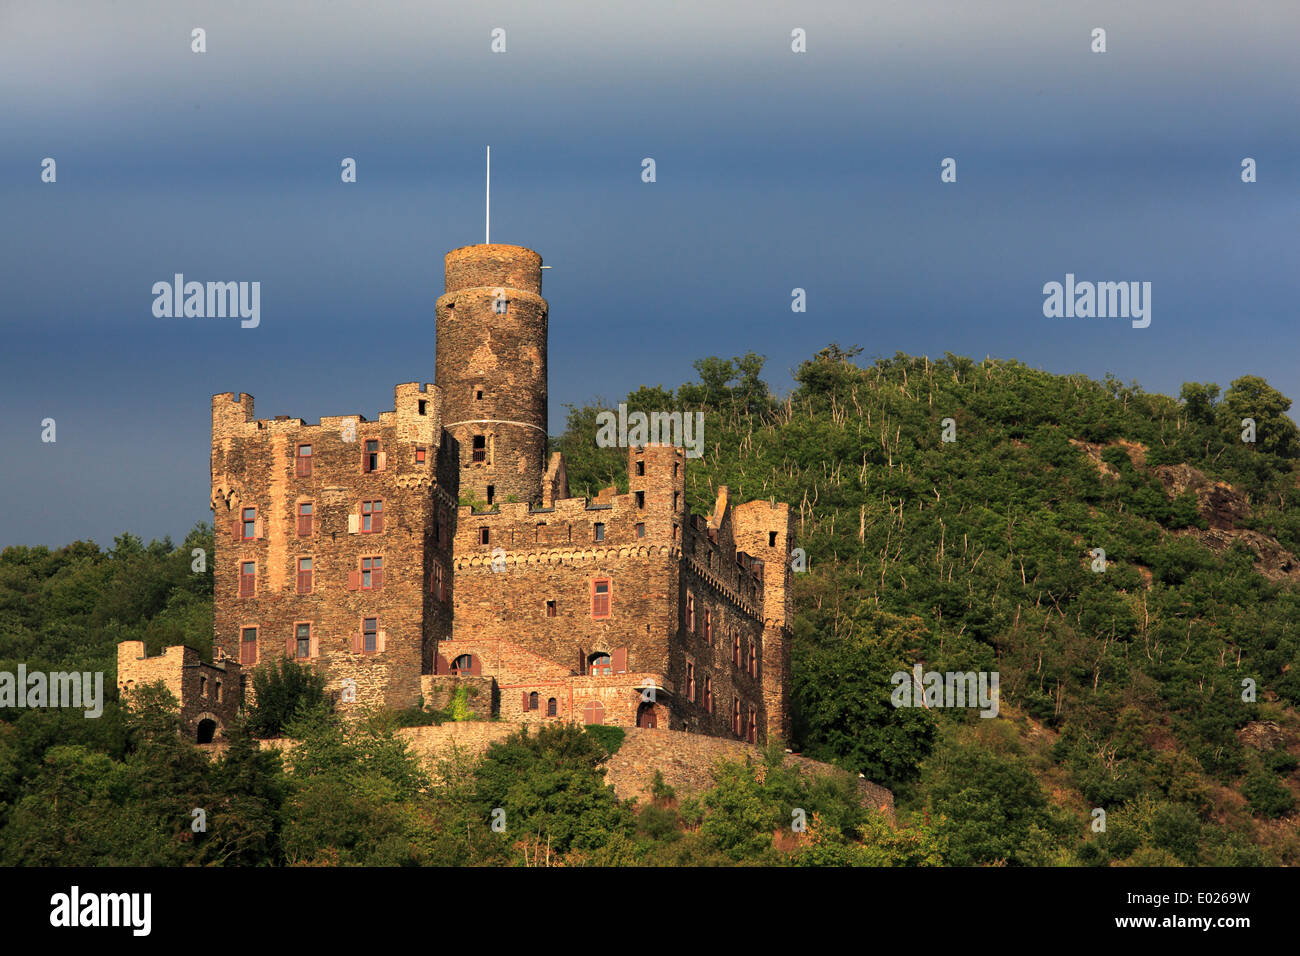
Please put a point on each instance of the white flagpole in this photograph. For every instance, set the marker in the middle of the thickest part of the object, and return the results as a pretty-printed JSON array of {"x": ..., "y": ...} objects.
[{"x": 487, "y": 212}]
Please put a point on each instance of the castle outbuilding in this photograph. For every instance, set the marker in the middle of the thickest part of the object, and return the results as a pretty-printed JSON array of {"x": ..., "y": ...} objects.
[{"x": 438, "y": 547}]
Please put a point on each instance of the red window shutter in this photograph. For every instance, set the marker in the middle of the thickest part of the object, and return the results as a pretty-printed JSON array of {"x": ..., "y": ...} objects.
[
  {"x": 377, "y": 522},
  {"x": 237, "y": 530},
  {"x": 619, "y": 660},
  {"x": 475, "y": 666},
  {"x": 381, "y": 639},
  {"x": 442, "y": 667},
  {"x": 358, "y": 643},
  {"x": 257, "y": 528},
  {"x": 377, "y": 578},
  {"x": 525, "y": 700},
  {"x": 382, "y": 462},
  {"x": 314, "y": 651},
  {"x": 304, "y": 582},
  {"x": 354, "y": 580},
  {"x": 290, "y": 646}
]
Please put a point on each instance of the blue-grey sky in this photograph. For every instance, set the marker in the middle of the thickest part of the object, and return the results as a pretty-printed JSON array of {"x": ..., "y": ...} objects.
[{"x": 775, "y": 170}]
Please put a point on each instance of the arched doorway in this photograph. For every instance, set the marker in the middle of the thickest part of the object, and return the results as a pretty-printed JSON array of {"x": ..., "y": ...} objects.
[
  {"x": 645, "y": 716},
  {"x": 207, "y": 730}
]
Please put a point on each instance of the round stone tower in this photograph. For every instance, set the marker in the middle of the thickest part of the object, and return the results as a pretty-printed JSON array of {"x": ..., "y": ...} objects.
[{"x": 491, "y": 366}]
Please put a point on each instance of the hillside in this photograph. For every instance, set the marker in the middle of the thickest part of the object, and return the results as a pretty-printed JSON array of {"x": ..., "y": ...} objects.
[{"x": 1120, "y": 689}]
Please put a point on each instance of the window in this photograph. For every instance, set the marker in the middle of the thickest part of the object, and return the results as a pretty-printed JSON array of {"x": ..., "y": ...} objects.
[
  {"x": 532, "y": 701},
  {"x": 550, "y": 609},
  {"x": 219, "y": 695},
  {"x": 640, "y": 499},
  {"x": 370, "y": 635},
  {"x": 421, "y": 453},
  {"x": 247, "y": 578},
  {"x": 640, "y": 468},
  {"x": 372, "y": 573},
  {"x": 479, "y": 452},
  {"x": 600, "y": 598},
  {"x": 491, "y": 493},
  {"x": 370, "y": 461},
  {"x": 771, "y": 539},
  {"x": 690, "y": 682},
  {"x": 708, "y": 693},
  {"x": 302, "y": 638},
  {"x": 302, "y": 463},
  {"x": 421, "y": 405},
  {"x": 753, "y": 726},
  {"x": 599, "y": 665},
  {"x": 463, "y": 664},
  {"x": 248, "y": 646},
  {"x": 600, "y": 531},
  {"x": 304, "y": 575},
  {"x": 482, "y": 535},
  {"x": 436, "y": 584},
  {"x": 372, "y": 517},
  {"x": 735, "y": 648},
  {"x": 478, "y": 394},
  {"x": 708, "y": 626},
  {"x": 676, "y": 500},
  {"x": 640, "y": 530},
  {"x": 551, "y": 707},
  {"x": 735, "y": 716},
  {"x": 674, "y": 471},
  {"x": 203, "y": 686},
  {"x": 304, "y": 519},
  {"x": 753, "y": 658},
  {"x": 249, "y": 523},
  {"x": 690, "y": 613},
  {"x": 593, "y": 712}
]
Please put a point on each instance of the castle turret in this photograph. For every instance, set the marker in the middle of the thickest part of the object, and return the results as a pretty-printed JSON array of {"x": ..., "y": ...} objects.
[{"x": 491, "y": 366}]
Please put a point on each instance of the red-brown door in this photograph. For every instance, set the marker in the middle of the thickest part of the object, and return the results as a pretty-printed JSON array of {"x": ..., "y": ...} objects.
[{"x": 645, "y": 716}]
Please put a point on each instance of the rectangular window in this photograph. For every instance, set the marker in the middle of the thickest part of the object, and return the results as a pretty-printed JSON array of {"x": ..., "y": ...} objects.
[
  {"x": 370, "y": 635},
  {"x": 435, "y": 582},
  {"x": 640, "y": 499},
  {"x": 304, "y": 575},
  {"x": 640, "y": 467},
  {"x": 247, "y": 578},
  {"x": 372, "y": 573},
  {"x": 690, "y": 682},
  {"x": 676, "y": 500},
  {"x": 370, "y": 460},
  {"x": 735, "y": 649},
  {"x": 302, "y": 462},
  {"x": 550, "y": 609},
  {"x": 421, "y": 455},
  {"x": 600, "y": 531},
  {"x": 421, "y": 406},
  {"x": 482, "y": 535},
  {"x": 708, "y": 625},
  {"x": 771, "y": 539},
  {"x": 248, "y": 646},
  {"x": 248, "y": 518},
  {"x": 708, "y": 693},
  {"x": 753, "y": 658},
  {"x": 640, "y": 530},
  {"x": 303, "y": 639},
  {"x": 304, "y": 519},
  {"x": 479, "y": 451},
  {"x": 491, "y": 493},
  {"x": 372, "y": 517},
  {"x": 600, "y": 598},
  {"x": 690, "y": 613}
]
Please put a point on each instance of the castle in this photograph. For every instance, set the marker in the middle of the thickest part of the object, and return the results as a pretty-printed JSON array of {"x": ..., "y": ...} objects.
[{"x": 438, "y": 548}]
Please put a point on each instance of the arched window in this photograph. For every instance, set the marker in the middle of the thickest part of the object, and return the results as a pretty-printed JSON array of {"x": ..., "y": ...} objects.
[
  {"x": 593, "y": 712},
  {"x": 203, "y": 686},
  {"x": 753, "y": 658},
  {"x": 207, "y": 729},
  {"x": 708, "y": 693},
  {"x": 463, "y": 664},
  {"x": 753, "y": 726},
  {"x": 550, "y": 707},
  {"x": 598, "y": 664},
  {"x": 735, "y": 716},
  {"x": 532, "y": 701}
]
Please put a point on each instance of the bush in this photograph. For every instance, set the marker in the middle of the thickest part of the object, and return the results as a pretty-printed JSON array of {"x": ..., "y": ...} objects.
[
  {"x": 611, "y": 738},
  {"x": 282, "y": 686}
]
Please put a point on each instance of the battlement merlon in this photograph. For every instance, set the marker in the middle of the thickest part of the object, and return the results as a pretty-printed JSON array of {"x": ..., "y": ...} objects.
[{"x": 414, "y": 403}]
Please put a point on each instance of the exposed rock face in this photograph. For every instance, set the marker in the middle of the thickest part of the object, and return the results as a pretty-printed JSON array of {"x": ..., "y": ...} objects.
[
  {"x": 1217, "y": 502},
  {"x": 1262, "y": 735}
]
